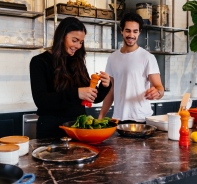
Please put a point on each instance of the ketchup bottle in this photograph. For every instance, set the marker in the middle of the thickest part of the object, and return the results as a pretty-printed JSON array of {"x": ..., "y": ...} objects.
[
  {"x": 184, "y": 139},
  {"x": 93, "y": 82}
]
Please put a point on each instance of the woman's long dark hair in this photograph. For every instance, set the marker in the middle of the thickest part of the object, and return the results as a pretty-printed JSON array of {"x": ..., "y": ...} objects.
[{"x": 70, "y": 71}]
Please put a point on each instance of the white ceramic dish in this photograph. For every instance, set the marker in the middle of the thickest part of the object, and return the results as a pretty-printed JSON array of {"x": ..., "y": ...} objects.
[
  {"x": 161, "y": 122},
  {"x": 9, "y": 154},
  {"x": 21, "y": 141}
]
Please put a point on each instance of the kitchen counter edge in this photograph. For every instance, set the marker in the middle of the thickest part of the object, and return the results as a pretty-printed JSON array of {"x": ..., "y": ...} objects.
[{"x": 27, "y": 107}]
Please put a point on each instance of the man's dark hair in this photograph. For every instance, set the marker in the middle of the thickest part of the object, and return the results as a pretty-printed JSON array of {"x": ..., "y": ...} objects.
[{"x": 134, "y": 17}]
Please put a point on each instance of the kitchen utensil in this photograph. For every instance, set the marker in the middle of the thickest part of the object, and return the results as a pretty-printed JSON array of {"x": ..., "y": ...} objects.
[
  {"x": 92, "y": 136},
  {"x": 184, "y": 101},
  {"x": 161, "y": 122},
  {"x": 69, "y": 152},
  {"x": 21, "y": 141},
  {"x": 136, "y": 130},
  {"x": 15, "y": 175}
]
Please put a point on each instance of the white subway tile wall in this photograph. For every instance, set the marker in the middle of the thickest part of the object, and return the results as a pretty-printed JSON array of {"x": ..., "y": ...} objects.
[{"x": 14, "y": 64}]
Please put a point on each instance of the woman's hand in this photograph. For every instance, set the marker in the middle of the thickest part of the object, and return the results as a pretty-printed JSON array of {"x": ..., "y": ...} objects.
[
  {"x": 87, "y": 93},
  {"x": 105, "y": 79}
]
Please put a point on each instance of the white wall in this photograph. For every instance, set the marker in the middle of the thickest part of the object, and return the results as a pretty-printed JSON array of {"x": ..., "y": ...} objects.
[
  {"x": 14, "y": 64},
  {"x": 180, "y": 69}
]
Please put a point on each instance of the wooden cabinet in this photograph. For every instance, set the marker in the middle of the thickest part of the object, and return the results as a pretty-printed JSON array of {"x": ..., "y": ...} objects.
[
  {"x": 165, "y": 107},
  {"x": 194, "y": 104},
  {"x": 153, "y": 108},
  {"x": 11, "y": 123},
  {"x": 6, "y": 127}
]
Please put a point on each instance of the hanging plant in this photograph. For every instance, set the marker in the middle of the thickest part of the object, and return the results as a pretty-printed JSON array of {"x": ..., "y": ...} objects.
[{"x": 192, "y": 7}]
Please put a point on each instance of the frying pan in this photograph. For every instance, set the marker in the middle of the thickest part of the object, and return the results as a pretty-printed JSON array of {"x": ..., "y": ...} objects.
[
  {"x": 13, "y": 174},
  {"x": 135, "y": 130}
]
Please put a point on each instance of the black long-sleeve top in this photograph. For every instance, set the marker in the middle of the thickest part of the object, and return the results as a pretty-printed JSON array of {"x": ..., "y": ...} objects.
[{"x": 49, "y": 102}]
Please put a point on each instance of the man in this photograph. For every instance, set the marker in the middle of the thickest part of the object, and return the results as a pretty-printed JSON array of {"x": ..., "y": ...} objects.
[{"x": 135, "y": 76}]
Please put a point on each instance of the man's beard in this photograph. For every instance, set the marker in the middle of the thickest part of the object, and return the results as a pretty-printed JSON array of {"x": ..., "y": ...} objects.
[{"x": 129, "y": 45}]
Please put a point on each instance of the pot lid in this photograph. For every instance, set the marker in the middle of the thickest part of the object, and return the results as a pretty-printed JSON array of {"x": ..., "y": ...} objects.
[
  {"x": 8, "y": 147},
  {"x": 14, "y": 139},
  {"x": 74, "y": 152}
]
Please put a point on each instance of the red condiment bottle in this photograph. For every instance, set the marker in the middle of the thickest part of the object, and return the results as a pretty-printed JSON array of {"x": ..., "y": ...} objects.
[
  {"x": 184, "y": 139},
  {"x": 93, "y": 82}
]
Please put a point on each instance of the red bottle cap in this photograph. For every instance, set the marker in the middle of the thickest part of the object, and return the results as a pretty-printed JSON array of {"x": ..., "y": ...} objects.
[{"x": 86, "y": 103}]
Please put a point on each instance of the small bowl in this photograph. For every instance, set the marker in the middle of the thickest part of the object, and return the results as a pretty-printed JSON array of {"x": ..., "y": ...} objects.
[
  {"x": 21, "y": 141},
  {"x": 190, "y": 122},
  {"x": 9, "y": 154},
  {"x": 91, "y": 136}
]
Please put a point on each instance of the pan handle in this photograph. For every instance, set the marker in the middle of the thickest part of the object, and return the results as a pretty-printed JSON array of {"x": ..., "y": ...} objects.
[{"x": 25, "y": 176}]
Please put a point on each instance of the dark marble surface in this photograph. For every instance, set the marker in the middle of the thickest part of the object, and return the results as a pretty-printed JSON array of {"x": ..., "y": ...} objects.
[{"x": 121, "y": 160}]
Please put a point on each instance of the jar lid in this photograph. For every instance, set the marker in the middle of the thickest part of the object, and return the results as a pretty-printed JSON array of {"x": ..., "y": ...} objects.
[
  {"x": 14, "y": 139},
  {"x": 8, "y": 147}
]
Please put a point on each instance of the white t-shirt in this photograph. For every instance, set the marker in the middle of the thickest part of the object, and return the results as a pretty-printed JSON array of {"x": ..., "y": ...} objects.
[{"x": 130, "y": 72}]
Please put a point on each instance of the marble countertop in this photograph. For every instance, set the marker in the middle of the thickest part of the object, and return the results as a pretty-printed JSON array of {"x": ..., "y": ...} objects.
[
  {"x": 26, "y": 107},
  {"x": 121, "y": 160}
]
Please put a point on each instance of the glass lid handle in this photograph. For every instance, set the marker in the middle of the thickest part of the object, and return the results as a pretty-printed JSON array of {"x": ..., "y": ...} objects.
[{"x": 66, "y": 140}]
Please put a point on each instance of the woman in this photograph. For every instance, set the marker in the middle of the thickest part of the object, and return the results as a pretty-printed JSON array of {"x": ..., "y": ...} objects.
[{"x": 60, "y": 81}]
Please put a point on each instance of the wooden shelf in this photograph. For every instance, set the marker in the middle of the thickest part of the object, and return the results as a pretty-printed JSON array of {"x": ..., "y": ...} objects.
[
  {"x": 89, "y": 20},
  {"x": 168, "y": 53},
  {"x": 17, "y": 46},
  {"x": 20, "y": 13},
  {"x": 92, "y": 50},
  {"x": 166, "y": 29}
]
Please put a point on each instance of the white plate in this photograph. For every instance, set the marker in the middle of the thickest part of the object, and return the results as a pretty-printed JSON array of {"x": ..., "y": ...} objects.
[{"x": 161, "y": 122}]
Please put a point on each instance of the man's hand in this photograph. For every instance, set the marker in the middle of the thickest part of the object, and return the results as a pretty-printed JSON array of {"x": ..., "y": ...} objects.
[{"x": 153, "y": 94}]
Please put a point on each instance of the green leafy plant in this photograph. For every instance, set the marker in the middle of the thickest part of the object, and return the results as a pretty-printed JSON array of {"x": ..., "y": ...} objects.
[{"x": 192, "y": 7}]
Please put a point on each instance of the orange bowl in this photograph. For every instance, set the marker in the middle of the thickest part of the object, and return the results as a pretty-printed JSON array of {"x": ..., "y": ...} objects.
[{"x": 91, "y": 136}]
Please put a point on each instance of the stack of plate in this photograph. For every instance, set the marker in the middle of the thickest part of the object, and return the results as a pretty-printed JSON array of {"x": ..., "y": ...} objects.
[{"x": 161, "y": 122}]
